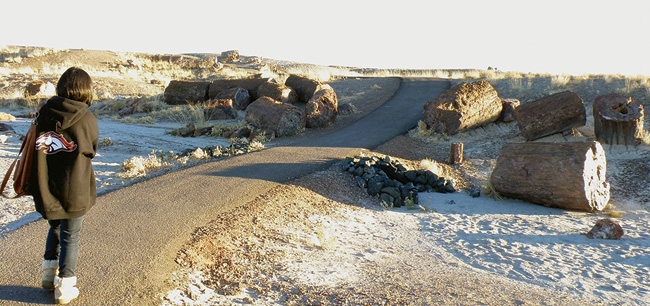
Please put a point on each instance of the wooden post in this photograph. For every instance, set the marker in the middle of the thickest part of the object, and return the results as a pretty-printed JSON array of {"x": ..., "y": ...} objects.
[
  {"x": 567, "y": 175},
  {"x": 456, "y": 153},
  {"x": 618, "y": 119}
]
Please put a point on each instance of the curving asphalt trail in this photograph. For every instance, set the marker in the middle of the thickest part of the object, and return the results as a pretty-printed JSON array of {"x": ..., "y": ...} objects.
[{"x": 131, "y": 237}]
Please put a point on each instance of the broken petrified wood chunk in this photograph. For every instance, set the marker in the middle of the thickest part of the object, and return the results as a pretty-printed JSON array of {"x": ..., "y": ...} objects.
[
  {"x": 284, "y": 119},
  {"x": 456, "y": 153},
  {"x": 606, "y": 229},
  {"x": 304, "y": 87},
  {"x": 549, "y": 115},
  {"x": 508, "y": 112},
  {"x": 618, "y": 119},
  {"x": 567, "y": 175},
  {"x": 278, "y": 92},
  {"x": 218, "y": 109},
  {"x": 464, "y": 106},
  {"x": 184, "y": 92},
  {"x": 239, "y": 96},
  {"x": 322, "y": 108}
]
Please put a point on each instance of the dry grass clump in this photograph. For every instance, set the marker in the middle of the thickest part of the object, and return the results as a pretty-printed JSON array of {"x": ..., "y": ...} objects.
[
  {"x": 138, "y": 166},
  {"x": 424, "y": 133}
]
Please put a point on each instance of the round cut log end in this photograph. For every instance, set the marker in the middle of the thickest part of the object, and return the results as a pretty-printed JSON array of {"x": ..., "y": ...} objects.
[{"x": 595, "y": 173}]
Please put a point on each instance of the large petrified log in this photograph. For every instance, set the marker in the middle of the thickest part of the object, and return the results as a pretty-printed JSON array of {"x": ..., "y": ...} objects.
[
  {"x": 322, "y": 108},
  {"x": 183, "y": 92},
  {"x": 618, "y": 119},
  {"x": 278, "y": 92},
  {"x": 549, "y": 115},
  {"x": 284, "y": 119},
  {"x": 239, "y": 96},
  {"x": 249, "y": 84},
  {"x": 464, "y": 106},
  {"x": 304, "y": 87},
  {"x": 567, "y": 175}
]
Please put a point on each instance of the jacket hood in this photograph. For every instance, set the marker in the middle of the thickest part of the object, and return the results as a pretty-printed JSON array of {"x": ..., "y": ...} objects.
[{"x": 66, "y": 112}]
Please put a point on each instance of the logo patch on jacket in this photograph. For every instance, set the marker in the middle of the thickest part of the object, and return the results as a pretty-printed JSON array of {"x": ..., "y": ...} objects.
[{"x": 52, "y": 143}]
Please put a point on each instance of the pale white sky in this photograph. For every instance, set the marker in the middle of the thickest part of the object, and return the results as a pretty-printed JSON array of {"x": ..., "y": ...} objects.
[{"x": 557, "y": 36}]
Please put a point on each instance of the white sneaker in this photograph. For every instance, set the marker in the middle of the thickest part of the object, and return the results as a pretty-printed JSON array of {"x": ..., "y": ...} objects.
[
  {"x": 65, "y": 290},
  {"x": 50, "y": 269}
]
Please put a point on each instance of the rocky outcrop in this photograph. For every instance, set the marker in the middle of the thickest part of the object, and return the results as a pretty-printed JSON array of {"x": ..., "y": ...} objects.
[
  {"x": 606, "y": 229},
  {"x": 229, "y": 56},
  {"x": 462, "y": 107},
  {"x": 322, "y": 108},
  {"x": 392, "y": 182}
]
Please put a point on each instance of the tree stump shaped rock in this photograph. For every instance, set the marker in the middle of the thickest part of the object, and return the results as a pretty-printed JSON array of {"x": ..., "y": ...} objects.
[
  {"x": 464, "y": 106},
  {"x": 618, "y": 119}
]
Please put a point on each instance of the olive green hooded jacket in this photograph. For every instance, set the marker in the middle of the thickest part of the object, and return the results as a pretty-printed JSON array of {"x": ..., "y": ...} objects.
[{"x": 62, "y": 179}]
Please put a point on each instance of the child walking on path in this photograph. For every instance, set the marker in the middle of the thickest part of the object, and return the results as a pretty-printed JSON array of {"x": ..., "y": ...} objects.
[{"x": 62, "y": 179}]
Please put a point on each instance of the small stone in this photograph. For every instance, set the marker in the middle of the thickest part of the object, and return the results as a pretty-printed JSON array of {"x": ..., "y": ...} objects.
[
  {"x": 360, "y": 182},
  {"x": 370, "y": 170},
  {"x": 441, "y": 189},
  {"x": 449, "y": 187},
  {"x": 421, "y": 179},
  {"x": 475, "y": 192},
  {"x": 401, "y": 167},
  {"x": 392, "y": 191},
  {"x": 374, "y": 186},
  {"x": 440, "y": 182},
  {"x": 358, "y": 171},
  {"x": 411, "y": 176},
  {"x": 421, "y": 188},
  {"x": 606, "y": 229},
  {"x": 386, "y": 198},
  {"x": 5, "y": 127}
]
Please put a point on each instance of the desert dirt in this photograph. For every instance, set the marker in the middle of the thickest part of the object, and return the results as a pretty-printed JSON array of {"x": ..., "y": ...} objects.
[{"x": 323, "y": 240}]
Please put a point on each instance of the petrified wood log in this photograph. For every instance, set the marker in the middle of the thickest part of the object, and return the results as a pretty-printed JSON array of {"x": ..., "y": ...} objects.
[
  {"x": 278, "y": 92},
  {"x": 549, "y": 115},
  {"x": 239, "y": 96},
  {"x": 508, "y": 112},
  {"x": 218, "y": 109},
  {"x": 322, "y": 108},
  {"x": 249, "y": 84},
  {"x": 464, "y": 106},
  {"x": 567, "y": 175},
  {"x": 183, "y": 92},
  {"x": 618, "y": 119},
  {"x": 304, "y": 87},
  {"x": 456, "y": 153},
  {"x": 284, "y": 119}
]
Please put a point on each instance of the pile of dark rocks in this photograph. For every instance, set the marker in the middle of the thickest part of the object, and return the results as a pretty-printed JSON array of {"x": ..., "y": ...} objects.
[{"x": 392, "y": 181}]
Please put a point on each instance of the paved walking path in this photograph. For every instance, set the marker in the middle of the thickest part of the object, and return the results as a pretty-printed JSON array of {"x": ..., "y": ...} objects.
[{"x": 130, "y": 238}]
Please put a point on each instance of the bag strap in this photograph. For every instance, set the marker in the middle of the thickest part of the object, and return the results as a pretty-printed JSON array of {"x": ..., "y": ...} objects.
[{"x": 13, "y": 164}]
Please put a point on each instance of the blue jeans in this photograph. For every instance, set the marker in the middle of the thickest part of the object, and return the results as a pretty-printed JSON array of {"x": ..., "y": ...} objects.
[{"x": 62, "y": 244}]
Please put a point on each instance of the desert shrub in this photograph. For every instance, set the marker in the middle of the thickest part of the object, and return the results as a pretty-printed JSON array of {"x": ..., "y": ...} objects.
[{"x": 138, "y": 166}]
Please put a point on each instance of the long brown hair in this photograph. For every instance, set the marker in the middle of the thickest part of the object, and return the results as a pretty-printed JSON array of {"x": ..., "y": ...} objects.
[{"x": 75, "y": 84}]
